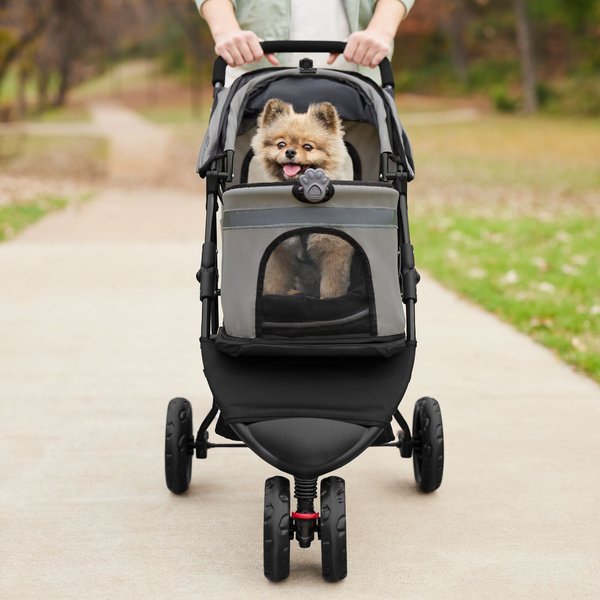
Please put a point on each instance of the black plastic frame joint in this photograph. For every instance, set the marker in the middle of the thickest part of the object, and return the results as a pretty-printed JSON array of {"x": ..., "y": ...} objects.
[
  {"x": 209, "y": 254},
  {"x": 306, "y": 66},
  {"x": 221, "y": 169},
  {"x": 409, "y": 285},
  {"x": 407, "y": 257},
  {"x": 206, "y": 277},
  {"x": 391, "y": 168}
]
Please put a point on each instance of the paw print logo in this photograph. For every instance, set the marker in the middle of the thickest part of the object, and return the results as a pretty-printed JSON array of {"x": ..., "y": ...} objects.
[{"x": 314, "y": 184}]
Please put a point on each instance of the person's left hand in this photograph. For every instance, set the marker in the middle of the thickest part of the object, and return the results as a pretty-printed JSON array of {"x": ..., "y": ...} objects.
[{"x": 367, "y": 48}]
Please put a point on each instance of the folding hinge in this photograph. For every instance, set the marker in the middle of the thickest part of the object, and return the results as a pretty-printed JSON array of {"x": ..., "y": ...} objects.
[
  {"x": 222, "y": 167},
  {"x": 391, "y": 167}
]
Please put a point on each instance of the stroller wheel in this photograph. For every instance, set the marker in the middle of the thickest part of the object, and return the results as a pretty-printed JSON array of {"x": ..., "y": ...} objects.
[
  {"x": 428, "y": 445},
  {"x": 276, "y": 541},
  {"x": 179, "y": 445},
  {"x": 333, "y": 528}
]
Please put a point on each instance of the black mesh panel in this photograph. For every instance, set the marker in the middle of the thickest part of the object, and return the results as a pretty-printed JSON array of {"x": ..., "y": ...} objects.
[{"x": 315, "y": 282}]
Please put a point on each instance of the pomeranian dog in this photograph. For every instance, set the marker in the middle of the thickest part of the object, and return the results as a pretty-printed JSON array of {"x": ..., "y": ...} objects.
[{"x": 287, "y": 143}]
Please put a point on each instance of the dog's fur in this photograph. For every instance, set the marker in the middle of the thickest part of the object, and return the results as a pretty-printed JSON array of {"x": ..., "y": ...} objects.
[
  {"x": 284, "y": 141},
  {"x": 319, "y": 129}
]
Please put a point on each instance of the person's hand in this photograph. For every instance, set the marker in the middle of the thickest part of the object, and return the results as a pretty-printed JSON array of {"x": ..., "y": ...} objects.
[
  {"x": 239, "y": 47},
  {"x": 367, "y": 48}
]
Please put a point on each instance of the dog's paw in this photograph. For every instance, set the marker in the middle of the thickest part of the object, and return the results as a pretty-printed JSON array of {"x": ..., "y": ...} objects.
[{"x": 314, "y": 184}]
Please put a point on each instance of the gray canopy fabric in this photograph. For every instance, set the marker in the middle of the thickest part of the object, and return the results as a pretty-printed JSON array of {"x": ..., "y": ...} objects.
[{"x": 229, "y": 124}]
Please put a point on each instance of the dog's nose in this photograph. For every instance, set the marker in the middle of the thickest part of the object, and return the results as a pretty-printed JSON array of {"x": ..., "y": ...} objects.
[{"x": 290, "y": 153}]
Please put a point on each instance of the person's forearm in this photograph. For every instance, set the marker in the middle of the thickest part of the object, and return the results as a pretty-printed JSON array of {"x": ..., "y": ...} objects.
[
  {"x": 220, "y": 16},
  {"x": 387, "y": 18}
]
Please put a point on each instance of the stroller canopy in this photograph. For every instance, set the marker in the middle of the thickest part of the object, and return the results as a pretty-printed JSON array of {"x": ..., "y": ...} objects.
[{"x": 357, "y": 99}]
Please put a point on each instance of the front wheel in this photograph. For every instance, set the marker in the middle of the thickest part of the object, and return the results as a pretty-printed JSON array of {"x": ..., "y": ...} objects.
[
  {"x": 179, "y": 445},
  {"x": 333, "y": 528},
  {"x": 428, "y": 445},
  {"x": 276, "y": 540}
]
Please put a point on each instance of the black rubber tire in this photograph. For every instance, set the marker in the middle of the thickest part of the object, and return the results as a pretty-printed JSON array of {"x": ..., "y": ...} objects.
[
  {"x": 333, "y": 529},
  {"x": 179, "y": 437},
  {"x": 276, "y": 539},
  {"x": 428, "y": 445}
]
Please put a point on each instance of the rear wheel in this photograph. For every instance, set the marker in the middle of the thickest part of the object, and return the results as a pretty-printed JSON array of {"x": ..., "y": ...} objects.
[
  {"x": 428, "y": 445},
  {"x": 179, "y": 445},
  {"x": 333, "y": 528},
  {"x": 276, "y": 541}
]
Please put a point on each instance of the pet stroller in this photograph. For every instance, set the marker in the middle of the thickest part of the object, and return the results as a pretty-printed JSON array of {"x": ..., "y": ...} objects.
[{"x": 307, "y": 382}]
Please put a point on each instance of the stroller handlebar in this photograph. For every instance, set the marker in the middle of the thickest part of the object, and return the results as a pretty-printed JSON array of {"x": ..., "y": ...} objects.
[{"x": 385, "y": 68}]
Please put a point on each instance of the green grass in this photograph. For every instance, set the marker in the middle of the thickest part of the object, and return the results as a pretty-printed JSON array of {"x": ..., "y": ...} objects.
[
  {"x": 507, "y": 211},
  {"x": 67, "y": 114},
  {"x": 537, "y": 154},
  {"x": 542, "y": 277},
  {"x": 16, "y": 217}
]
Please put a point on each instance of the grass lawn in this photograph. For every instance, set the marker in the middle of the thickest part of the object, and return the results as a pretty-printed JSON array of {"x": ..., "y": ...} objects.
[
  {"x": 15, "y": 217},
  {"x": 507, "y": 212},
  {"x": 66, "y": 114}
]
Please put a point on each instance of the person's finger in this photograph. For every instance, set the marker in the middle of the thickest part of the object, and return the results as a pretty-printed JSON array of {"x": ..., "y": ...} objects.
[
  {"x": 270, "y": 57},
  {"x": 369, "y": 56},
  {"x": 236, "y": 55},
  {"x": 257, "y": 51},
  {"x": 379, "y": 56},
  {"x": 350, "y": 49},
  {"x": 359, "y": 54},
  {"x": 246, "y": 51},
  {"x": 225, "y": 55},
  {"x": 332, "y": 58}
]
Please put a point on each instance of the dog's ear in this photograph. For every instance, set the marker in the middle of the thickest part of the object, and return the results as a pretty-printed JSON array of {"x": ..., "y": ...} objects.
[
  {"x": 273, "y": 109},
  {"x": 326, "y": 114}
]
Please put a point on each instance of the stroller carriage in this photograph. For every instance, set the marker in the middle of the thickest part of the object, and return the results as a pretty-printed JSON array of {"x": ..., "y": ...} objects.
[{"x": 307, "y": 382}]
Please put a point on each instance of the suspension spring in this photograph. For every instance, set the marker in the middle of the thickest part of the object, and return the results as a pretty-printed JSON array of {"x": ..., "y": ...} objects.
[{"x": 305, "y": 489}]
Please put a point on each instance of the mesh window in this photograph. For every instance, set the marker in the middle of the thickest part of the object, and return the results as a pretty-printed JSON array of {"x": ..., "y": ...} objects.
[{"x": 315, "y": 283}]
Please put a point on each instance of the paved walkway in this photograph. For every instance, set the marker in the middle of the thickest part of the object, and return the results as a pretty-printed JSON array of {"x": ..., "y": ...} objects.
[
  {"x": 99, "y": 316},
  {"x": 137, "y": 147}
]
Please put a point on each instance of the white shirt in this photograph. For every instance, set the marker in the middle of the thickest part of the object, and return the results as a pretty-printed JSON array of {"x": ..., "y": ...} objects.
[
  {"x": 318, "y": 20},
  {"x": 311, "y": 20}
]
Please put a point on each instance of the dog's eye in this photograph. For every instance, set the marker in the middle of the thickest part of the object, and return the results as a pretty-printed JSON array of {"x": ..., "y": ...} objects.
[
  {"x": 307, "y": 147},
  {"x": 281, "y": 145}
]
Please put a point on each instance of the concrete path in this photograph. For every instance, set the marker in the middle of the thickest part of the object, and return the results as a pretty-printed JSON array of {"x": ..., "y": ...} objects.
[
  {"x": 99, "y": 320},
  {"x": 137, "y": 146}
]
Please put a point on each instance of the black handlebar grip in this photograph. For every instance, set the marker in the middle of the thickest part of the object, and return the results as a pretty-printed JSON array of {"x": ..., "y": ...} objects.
[{"x": 385, "y": 67}]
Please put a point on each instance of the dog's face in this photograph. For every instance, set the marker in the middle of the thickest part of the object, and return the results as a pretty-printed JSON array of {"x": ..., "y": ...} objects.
[{"x": 287, "y": 143}]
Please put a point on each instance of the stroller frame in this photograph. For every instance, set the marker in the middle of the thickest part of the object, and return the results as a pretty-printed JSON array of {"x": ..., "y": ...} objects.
[{"x": 424, "y": 444}]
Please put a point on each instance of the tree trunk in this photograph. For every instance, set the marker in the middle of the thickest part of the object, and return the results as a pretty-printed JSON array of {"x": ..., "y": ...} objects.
[
  {"x": 11, "y": 53},
  {"x": 23, "y": 78},
  {"x": 65, "y": 83},
  {"x": 43, "y": 82},
  {"x": 455, "y": 30},
  {"x": 524, "y": 42}
]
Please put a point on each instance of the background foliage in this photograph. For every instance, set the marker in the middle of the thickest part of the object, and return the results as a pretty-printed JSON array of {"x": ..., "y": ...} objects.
[{"x": 519, "y": 54}]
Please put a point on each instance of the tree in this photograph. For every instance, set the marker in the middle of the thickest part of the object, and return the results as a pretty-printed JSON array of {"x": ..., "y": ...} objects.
[
  {"x": 22, "y": 22},
  {"x": 525, "y": 45}
]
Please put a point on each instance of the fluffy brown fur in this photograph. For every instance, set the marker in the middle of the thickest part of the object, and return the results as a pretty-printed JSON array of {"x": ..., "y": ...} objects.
[
  {"x": 286, "y": 144},
  {"x": 311, "y": 139}
]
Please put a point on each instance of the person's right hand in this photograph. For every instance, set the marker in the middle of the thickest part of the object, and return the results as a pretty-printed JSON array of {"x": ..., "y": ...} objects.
[{"x": 240, "y": 47}]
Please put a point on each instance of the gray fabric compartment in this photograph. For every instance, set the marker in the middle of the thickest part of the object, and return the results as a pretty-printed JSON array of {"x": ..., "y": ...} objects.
[{"x": 245, "y": 245}]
